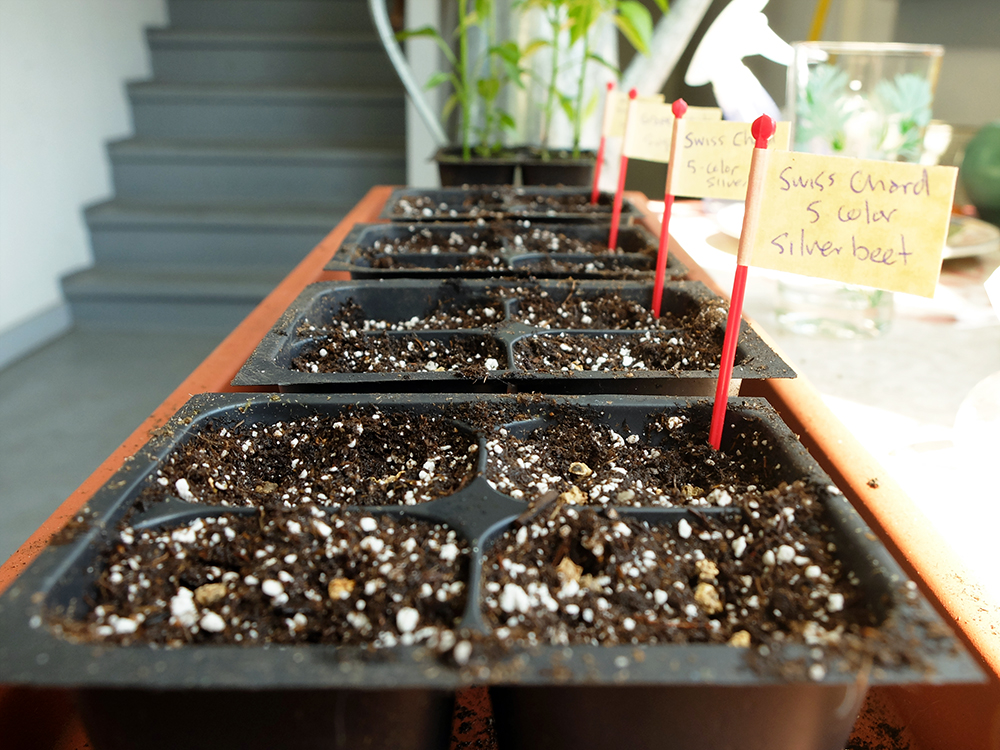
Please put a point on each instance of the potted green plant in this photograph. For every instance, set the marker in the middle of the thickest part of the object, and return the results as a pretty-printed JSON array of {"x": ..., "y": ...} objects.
[
  {"x": 477, "y": 83},
  {"x": 479, "y": 80},
  {"x": 578, "y": 19}
]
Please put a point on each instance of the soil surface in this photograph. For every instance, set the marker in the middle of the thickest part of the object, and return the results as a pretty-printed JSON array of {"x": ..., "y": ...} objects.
[
  {"x": 573, "y": 460},
  {"x": 349, "y": 341},
  {"x": 510, "y": 248},
  {"x": 285, "y": 576},
  {"x": 491, "y": 203},
  {"x": 583, "y": 575},
  {"x": 472, "y": 357},
  {"x": 363, "y": 457},
  {"x": 763, "y": 579},
  {"x": 475, "y": 203}
]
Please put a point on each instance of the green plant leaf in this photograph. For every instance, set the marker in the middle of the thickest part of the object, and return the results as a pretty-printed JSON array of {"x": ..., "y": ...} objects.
[
  {"x": 821, "y": 109},
  {"x": 453, "y": 101},
  {"x": 437, "y": 79},
  {"x": 484, "y": 8},
  {"x": 534, "y": 46},
  {"x": 662, "y": 5},
  {"x": 636, "y": 23},
  {"x": 582, "y": 16},
  {"x": 591, "y": 107},
  {"x": 601, "y": 61},
  {"x": 488, "y": 88},
  {"x": 507, "y": 122},
  {"x": 431, "y": 33},
  {"x": 508, "y": 51},
  {"x": 568, "y": 106}
]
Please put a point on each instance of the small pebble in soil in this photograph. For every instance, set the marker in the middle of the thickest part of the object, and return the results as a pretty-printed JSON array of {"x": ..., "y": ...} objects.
[{"x": 204, "y": 589}]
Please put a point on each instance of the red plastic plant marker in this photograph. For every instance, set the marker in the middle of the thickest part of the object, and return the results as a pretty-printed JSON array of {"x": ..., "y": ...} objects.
[
  {"x": 762, "y": 130},
  {"x": 616, "y": 212},
  {"x": 679, "y": 107}
]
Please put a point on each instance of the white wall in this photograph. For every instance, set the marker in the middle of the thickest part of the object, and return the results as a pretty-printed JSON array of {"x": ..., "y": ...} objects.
[{"x": 63, "y": 64}]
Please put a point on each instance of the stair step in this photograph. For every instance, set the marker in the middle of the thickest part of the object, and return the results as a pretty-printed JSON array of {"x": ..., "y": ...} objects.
[
  {"x": 319, "y": 115},
  {"x": 136, "y": 236},
  {"x": 177, "y": 173},
  {"x": 305, "y": 58},
  {"x": 193, "y": 299},
  {"x": 277, "y": 15}
]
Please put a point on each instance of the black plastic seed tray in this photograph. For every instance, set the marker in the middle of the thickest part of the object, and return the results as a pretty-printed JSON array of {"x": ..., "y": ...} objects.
[
  {"x": 552, "y": 695},
  {"x": 501, "y": 353},
  {"x": 509, "y": 249},
  {"x": 503, "y": 202}
]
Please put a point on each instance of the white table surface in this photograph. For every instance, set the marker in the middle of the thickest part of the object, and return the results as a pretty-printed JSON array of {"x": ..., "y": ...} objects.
[{"x": 907, "y": 395}]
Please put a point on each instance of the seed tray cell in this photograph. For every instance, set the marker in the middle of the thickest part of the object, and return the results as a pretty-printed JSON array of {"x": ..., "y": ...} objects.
[
  {"x": 465, "y": 335},
  {"x": 554, "y": 204},
  {"x": 473, "y": 546},
  {"x": 472, "y": 250}
]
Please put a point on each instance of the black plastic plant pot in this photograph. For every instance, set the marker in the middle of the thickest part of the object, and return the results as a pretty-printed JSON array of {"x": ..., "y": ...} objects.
[
  {"x": 503, "y": 202},
  {"x": 136, "y": 718},
  {"x": 560, "y": 168},
  {"x": 436, "y": 250},
  {"x": 497, "y": 336},
  {"x": 456, "y": 171},
  {"x": 324, "y": 571}
]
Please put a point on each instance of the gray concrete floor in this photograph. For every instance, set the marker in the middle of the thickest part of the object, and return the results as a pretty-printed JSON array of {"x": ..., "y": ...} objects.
[{"x": 67, "y": 406}]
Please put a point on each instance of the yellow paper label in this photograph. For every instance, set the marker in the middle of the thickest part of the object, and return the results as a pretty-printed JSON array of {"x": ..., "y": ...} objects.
[
  {"x": 713, "y": 158},
  {"x": 616, "y": 111},
  {"x": 650, "y": 128},
  {"x": 874, "y": 223}
]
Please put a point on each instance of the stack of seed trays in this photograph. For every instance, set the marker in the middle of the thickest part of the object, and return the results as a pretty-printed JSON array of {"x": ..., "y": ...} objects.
[
  {"x": 343, "y": 564},
  {"x": 479, "y": 476}
]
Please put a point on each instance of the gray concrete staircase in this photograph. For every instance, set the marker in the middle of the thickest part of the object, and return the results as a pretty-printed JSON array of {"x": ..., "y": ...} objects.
[{"x": 264, "y": 122}]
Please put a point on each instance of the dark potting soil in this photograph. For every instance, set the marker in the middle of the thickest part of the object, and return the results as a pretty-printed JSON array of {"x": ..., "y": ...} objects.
[
  {"x": 352, "y": 342},
  {"x": 568, "y": 352},
  {"x": 482, "y": 245},
  {"x": 475, "y": 203},
  {"x": 610, "y": 266},
  {"x": 286, "y": 576},
  {"x": 762, "y": 579},
  {"x": 472, "y": 357},
  {"x": 583, "y": 575},
  {"x": 573, "y": 460},
  {"x": 567, "y": 203},
  {"x": 483, "y": 249},
  {"x": 363, "y": 457},
  {"x": 536, "y": 307}
]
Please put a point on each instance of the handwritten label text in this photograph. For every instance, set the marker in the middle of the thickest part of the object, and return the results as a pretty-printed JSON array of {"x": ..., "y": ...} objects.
[{"x": 874, "y": 223}]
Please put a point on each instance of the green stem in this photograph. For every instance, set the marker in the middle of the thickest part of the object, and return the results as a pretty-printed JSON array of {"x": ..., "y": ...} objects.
[
  {"x": 489, "y": 106},
  {"x": 466, "y": 99},
  {"x": 578, "y": 113},
  {"x": 550, "y": 99}
]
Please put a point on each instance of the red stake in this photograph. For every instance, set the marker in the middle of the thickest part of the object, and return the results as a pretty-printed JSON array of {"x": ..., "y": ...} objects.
[
  {"x": 616, "y": 212},
  {"x": 600, "y": 149},
  {"x": 679, "y": 107},
  {"x": 762, "y": 130}
]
